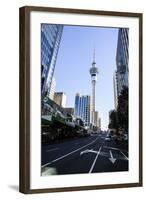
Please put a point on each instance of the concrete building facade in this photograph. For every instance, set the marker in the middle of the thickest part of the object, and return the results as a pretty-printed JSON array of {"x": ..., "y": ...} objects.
[{"x": 60, "y": 98}]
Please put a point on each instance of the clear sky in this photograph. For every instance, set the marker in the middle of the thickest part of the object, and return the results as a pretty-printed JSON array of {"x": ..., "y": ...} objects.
[{"x": 74, "y": 60}]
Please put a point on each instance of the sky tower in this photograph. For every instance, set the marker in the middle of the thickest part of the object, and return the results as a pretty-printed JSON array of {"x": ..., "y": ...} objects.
[{"x": 93, "y": 73}]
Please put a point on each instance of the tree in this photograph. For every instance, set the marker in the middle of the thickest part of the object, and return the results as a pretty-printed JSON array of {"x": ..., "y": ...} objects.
[
  {"x": 119, "y": 118},
  {"x": 122, "y": 109},
  {"x": 113, "y": 120}
]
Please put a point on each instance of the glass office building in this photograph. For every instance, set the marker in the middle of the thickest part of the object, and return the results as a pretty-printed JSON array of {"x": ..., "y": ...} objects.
[
  {"x": 77, "y": 105},
  {"x": 50, "y": 41},
  {"x": 122, "y": 59},
  {"x": 82, "y": 108}
]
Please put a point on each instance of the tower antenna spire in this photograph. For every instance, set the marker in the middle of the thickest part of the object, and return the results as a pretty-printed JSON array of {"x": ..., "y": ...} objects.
[{"x": 94, "y": 55}]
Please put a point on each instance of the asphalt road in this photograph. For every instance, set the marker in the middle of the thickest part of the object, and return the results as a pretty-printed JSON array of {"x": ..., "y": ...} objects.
[{"x": 84, "y": 155}]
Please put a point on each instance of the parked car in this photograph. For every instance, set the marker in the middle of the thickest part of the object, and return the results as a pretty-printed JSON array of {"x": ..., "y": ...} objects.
[{"x": 108, "y": 138}]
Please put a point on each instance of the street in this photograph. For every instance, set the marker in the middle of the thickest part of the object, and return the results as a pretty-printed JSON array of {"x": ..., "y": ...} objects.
[{"x": 92, "y": 154}]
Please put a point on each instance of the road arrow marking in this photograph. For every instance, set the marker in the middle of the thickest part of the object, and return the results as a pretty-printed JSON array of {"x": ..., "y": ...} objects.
[
  {"x": 112, "y": 159},
  {"x": 116, "y": 149},
  {"x": 88, "y": 151}
]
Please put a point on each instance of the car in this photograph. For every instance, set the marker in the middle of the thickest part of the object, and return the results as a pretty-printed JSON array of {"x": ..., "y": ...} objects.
[
  {"x": 108, "y": 135},
  {"x": 125, "y": 137},
  {"x": 107, "y": 139}
]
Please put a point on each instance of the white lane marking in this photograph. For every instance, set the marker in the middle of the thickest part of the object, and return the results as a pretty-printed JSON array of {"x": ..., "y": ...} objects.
[
  {"x": 54, "y": 149},
  {"x": 91, "y": 169},
  {"x": 106, "y": 147},
  {"x": 88, "y": 151},
  {"x": 124, "y": 155},
  {"x": 112, "y": 159},
  {"x": 69, "y": 153},
  {"x": 102, "y": 137}
]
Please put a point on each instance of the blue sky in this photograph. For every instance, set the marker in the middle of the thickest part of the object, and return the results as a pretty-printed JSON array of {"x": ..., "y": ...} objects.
[{"x": 74, "y": 61}]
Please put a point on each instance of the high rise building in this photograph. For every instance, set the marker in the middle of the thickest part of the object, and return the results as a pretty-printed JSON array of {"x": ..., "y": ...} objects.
[
  {"x": 115, "y": 89},
  {"x": 82, "y": 108},
  {"x": 96, "y": 119},
  {"x": 99, "y": 123},
  {"x": 50, "y": 41},
  {"x": 52, "y": 89},
  {"x": 60, "y": 98},
  {"x": 93, "y": 73},
  {"x": 122, "y": 59}
]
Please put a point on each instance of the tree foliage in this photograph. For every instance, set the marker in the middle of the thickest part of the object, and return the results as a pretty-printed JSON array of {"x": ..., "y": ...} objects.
[
  {"x": 113, "y": 120},
  {"x": 119, "y": 117},
  {"x": 122, "y": 109}
]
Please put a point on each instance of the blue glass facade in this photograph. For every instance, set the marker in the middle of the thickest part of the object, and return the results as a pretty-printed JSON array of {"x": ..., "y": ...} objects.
[
  {"x": 50, "y": 41},
  {"x": 82, "y": 108},
  {"x": 77, "y": 103},
  {"x": 122, "y": 59}
]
